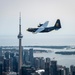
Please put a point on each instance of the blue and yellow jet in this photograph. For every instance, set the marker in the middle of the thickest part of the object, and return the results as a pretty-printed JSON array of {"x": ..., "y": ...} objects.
[{"x": 42, "y": 28}]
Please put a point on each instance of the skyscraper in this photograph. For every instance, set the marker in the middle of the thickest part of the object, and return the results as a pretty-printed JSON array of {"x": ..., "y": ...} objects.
[
  {"x": 61, "y": 72},
  {"x": 20, "y": 44},
  {"x": 27, "y": 70},
  {"x": 31, "y": 56},
  {"x": 0, "y": 51},
  {"x": 47, "y": 68},
  {"x": 53, "y": 67},
  {"x": 1, "y": 68}
]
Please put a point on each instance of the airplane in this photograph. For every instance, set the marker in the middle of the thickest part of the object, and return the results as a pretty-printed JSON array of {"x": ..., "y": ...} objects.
[{"x": 42, "y": 28}]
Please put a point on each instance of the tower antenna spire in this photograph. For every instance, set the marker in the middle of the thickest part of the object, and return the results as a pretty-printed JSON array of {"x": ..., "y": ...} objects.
[{"x": 20, "y": 23}]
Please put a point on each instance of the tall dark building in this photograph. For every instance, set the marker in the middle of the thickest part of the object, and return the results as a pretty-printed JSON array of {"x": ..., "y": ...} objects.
[
  {"x": 6, "y": 65},
  {"x": 25, "y": 57},
  {"x": 48, "y": 60},
  {"x": 36, "y": 63},
  {"x": 61, "y": 72},
  {"x": 31, "y": 56},
  {"x": 1, "y": 70},
  {"x": 42, "y": 63},
  {"x": 15, "y": 64},
  {"x": 72, "y": 69},
  {"x": 7, "y": 54},
  {"x": 11, "y": 54},
  {"x": 0, "y": 51},
  {"x": 27, "y": 70},
  {"x": 73, "y": 73},
  {"x": 53, "y": 67},
  {"x": 66, "y": 71},
  {"x": 47, "y": 68}
]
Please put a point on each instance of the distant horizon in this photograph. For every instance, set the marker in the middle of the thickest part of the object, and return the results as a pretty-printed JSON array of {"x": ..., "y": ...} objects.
[{"x": 42, "y": 41}]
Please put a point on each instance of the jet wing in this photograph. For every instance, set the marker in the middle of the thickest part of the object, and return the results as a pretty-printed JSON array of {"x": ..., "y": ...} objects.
[{"x": 42, "y": 27}]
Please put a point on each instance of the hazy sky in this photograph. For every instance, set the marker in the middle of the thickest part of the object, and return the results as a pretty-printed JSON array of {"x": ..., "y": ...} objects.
[{"x": 34, "y": 12}]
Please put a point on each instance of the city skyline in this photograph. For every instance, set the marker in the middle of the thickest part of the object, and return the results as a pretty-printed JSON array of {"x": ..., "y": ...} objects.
[{"x": 33, "y": 64}]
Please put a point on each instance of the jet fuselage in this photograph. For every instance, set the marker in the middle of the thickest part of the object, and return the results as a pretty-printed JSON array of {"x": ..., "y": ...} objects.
[{"x": 48, "y": 29}]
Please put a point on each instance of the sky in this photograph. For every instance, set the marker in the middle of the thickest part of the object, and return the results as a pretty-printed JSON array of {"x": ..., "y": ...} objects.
[{"x": 34, "y": 12}]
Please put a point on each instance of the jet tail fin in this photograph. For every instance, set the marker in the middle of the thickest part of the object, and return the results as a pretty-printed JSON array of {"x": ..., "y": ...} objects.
[{"x": 57, "y": 25}]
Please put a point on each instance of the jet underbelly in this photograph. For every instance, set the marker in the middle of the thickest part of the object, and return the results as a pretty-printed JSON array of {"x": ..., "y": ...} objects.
[{"x": 48, "y": 29}]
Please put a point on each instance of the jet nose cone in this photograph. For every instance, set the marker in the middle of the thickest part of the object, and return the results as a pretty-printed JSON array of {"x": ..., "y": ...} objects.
[{"x": 28, "y": 29}]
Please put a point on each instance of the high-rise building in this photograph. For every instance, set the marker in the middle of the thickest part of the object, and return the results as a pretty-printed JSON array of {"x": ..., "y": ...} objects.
[
  {"x": 66, "y": 71},
  {"x": 1, "y": 68},
  {"x": 27, "y": 70},
  {"x": 15, "y": 64},
  {"x": 11, "y": 54},
  {"x": 2, "y": 59},
  {"x": 25, "y": 57},
  {"x": 37, "y": 63},
  {"x": 48, "y": 60},
  {"x": 6, "y": 65},
  {"x": 72, "y": 69},
  {"x": 7, "y": 54},
  {"x": 42, "y": 63},
  {"x": 31, "y": 56},
  {"x": 0, "y": 51},
  {"x": 20, "y": 44},
  {"x": 53, "y": 67},
  {"x": 61, "y": 72},
  {"x": 47, "y": 68}
]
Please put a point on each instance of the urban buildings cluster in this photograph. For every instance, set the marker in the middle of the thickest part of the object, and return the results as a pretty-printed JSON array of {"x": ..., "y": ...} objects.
[{"x": 9, "y": 61}]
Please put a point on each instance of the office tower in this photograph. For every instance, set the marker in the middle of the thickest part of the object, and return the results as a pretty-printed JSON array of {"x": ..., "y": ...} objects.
[
  {"x": 39, "y": 63},
  {"x": 20, "y": 44},
  {"x": 11, "y": 61},
  {"x": 53, "y": 67},
  {"x": 61, "y": 71},
  {"x": 36, "y": 63},
  {"x": 47, "y": 68},
  {"x": 73, "y": 73},
  {"x": 42, "y": 63},
  {"x": 11, "y": 54},
  {"x": 13, "y": 64},
  {"x": 25, "y": 57},
  {"x": 7, "y": 55},
  {"x": 6, "y": 65},
  {"x": 72, "y": 69},
  {"x": 66, "y": 71},
  {"x": 0, "y": 51},
  {"x": 1, "y": 68},
  {"x": 31, "y": 56},
  {"x": 48, "y": 60},
  {"x": 1, "y": 59},
  {"x": 27, "y": 70}
]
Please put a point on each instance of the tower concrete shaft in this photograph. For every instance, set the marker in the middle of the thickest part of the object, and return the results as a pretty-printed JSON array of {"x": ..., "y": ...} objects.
[
  {"x": 20, "y": 44},
  {"x": 20, "y": 54}
]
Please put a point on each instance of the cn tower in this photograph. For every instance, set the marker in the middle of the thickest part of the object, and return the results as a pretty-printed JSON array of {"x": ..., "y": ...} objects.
[{"x": 20, "y": 44}]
